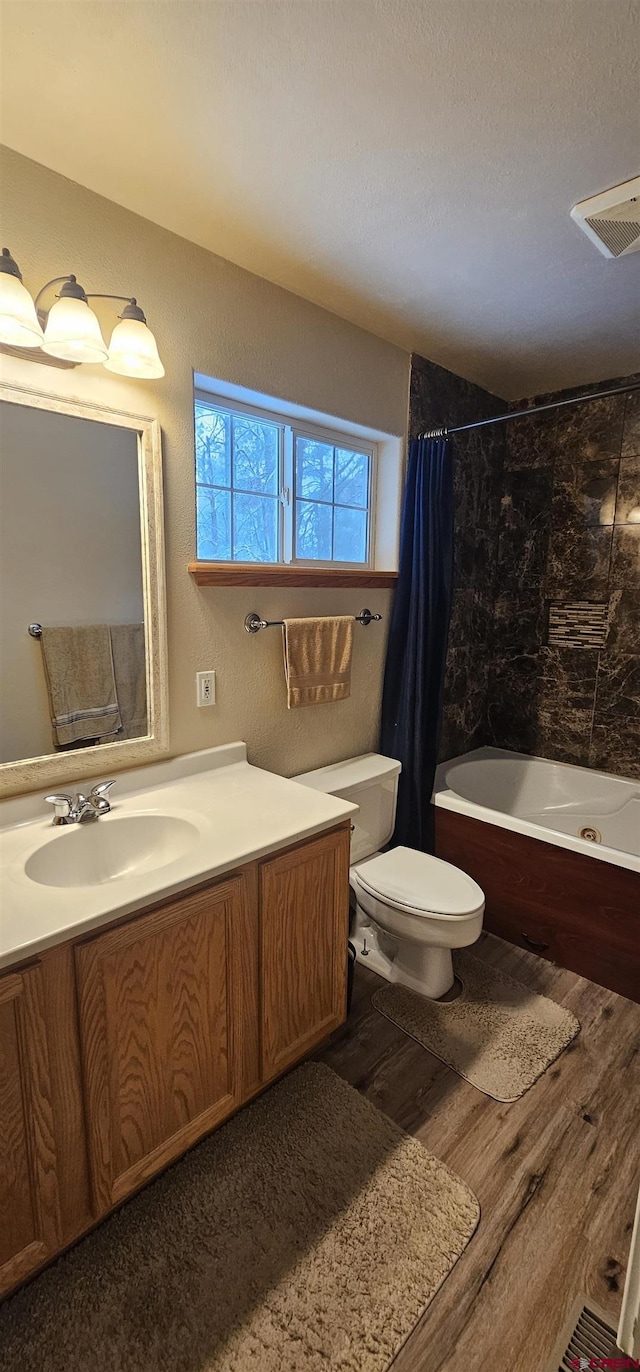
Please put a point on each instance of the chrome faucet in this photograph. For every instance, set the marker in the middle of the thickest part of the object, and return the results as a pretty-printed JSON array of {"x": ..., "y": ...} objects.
[{"x": 82, "y": 809}]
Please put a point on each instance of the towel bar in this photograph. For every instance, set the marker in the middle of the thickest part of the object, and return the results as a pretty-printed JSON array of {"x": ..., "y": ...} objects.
[{"x": 253, "y": 623}]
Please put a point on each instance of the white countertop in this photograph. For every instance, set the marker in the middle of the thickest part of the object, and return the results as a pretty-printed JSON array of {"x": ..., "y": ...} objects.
[{"x": 240, "y": 812}]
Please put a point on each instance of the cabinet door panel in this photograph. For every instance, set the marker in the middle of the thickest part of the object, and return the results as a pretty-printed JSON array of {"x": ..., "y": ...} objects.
[
  {"x": 29, "y": 1207},
  {"x": 160, "y": 1016},
  {"x": 304, "y": 902}
]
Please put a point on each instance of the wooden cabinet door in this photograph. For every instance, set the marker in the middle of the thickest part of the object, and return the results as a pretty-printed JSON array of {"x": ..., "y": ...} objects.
[
  {"x": 304, "y": 906},
  {"x": 29, "y": 1208},
  {"x": 160, "y": 1024}
]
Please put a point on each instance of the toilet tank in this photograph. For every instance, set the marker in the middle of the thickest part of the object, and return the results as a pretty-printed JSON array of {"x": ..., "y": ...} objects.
[{"x": 371, "y": 783}]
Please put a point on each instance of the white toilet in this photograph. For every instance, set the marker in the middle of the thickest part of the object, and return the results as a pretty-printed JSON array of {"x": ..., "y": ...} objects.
[{"x": 412, "y": 909}]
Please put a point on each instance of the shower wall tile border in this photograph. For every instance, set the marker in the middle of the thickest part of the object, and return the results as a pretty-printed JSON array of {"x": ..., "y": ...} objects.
[{"x": 578, "y": 624}]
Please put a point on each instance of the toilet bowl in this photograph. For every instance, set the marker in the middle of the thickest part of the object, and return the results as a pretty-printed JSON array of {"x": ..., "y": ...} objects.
[
  {"x": 411, "y": 909},
  {"x": 425, "y": 907}
]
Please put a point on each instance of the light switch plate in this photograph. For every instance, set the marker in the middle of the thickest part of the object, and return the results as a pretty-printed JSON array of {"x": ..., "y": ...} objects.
[{"x": 205, "y": 688}]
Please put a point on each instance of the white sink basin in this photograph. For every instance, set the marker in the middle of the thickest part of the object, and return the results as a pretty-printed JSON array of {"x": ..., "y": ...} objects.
[{"x": 109, "y": 849}]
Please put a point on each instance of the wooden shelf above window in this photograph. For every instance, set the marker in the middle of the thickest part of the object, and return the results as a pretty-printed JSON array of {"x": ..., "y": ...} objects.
[{"x": 237, "y": 574}]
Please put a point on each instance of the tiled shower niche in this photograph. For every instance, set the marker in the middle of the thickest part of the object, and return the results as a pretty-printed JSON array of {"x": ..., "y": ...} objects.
[{"x": 578, "y": 624}]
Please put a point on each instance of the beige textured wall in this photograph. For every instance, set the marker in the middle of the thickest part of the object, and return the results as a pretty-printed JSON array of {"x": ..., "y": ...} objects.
[{"x": 213, "y": 317}]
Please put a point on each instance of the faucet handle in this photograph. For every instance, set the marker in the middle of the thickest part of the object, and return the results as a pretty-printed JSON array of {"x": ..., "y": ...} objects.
[
  {"x": 98, "y": 797},
  {"x": 62, "y": 804},
  {"x": 102, "y": 788}
]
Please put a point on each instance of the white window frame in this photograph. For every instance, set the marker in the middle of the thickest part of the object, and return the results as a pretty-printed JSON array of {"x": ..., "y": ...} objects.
[{"x": 289, "y": 430}]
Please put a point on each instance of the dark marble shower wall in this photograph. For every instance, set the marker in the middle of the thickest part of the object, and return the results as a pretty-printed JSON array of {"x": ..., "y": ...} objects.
[
  {"x": 440, "y": 397},
  {"x": 570, "y": 531}
]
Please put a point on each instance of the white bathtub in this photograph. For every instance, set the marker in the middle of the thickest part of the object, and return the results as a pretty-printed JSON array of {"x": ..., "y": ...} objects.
[{"x": 546, "y": 800}]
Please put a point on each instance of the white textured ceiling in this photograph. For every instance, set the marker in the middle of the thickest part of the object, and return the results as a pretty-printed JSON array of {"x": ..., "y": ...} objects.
[{"x": 409, "y": 164}]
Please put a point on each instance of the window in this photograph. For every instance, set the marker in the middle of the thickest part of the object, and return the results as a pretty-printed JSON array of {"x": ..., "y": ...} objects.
[{"x": 269, "y": 490}]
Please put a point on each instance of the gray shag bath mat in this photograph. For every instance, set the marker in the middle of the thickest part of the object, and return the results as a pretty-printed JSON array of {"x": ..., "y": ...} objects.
[
  {"x": 308, "y": 1234},
  {"x": 498, "y": 1034}
]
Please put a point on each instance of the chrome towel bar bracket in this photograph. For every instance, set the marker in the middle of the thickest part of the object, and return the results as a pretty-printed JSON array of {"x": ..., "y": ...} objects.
[{"x": 253, "y": 623}]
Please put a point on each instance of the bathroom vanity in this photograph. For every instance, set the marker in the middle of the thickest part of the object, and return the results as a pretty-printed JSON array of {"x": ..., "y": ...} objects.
[{"x": 139, "y": 1011}]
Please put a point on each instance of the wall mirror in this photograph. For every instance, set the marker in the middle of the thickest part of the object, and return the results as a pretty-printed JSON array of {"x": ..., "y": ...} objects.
[{"x": 82, "y": 607}]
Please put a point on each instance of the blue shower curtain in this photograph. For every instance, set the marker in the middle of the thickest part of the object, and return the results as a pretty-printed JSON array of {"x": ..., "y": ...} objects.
[{"x": 416, "y": 652}]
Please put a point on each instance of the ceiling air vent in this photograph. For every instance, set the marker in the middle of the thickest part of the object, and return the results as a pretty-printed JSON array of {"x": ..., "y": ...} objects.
[{"x": 612, "y": 220}]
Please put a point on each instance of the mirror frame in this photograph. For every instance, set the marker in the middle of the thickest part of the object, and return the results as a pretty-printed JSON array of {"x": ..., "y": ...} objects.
[{"x": 28, "y": 774}]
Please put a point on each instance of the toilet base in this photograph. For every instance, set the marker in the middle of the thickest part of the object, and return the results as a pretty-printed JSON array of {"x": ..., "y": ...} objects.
[
  {"x": 421, "y": 967},
  {"x": 424, "y": 969}
]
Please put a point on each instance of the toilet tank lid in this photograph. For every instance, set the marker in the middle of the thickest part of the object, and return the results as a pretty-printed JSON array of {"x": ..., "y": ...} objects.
[{"x": 351, "y": 775}]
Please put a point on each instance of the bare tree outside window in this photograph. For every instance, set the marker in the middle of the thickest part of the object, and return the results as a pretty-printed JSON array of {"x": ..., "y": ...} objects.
[{"x": 332, "y": 502}]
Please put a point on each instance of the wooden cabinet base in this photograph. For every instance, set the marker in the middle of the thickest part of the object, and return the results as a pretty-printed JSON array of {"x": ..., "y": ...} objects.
[
  {"x": 574, "y": 910},
  {"x": 30, "y": 1229},
  {"x": 161, "y": 1029},
  {"x": 121, "y": 1050},
  {"x": 304, "y": 960}
]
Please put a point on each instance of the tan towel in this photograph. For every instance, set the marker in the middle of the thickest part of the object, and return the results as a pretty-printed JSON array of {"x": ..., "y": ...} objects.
[
  {"x": 130, "y": 670},
  {"x": 82, "y": 690},
  {"x": 317, "y": 659}
]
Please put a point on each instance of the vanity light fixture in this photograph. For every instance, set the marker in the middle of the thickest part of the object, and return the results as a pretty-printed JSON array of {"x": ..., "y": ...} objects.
[
  {"x": 72, "y": 331},
  {"x": 19, "y": 324}
]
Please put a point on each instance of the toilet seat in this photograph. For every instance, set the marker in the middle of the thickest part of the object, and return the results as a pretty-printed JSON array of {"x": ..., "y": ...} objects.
[{"x": 419, "y": 884}]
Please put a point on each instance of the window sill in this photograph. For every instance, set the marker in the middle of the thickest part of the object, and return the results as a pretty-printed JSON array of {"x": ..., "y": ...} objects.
[{"x": 243, "y": 574}]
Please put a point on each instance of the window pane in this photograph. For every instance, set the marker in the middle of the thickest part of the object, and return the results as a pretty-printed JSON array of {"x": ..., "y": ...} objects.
[
  {"x": 255, "y": 455},
  {"x": 214, "y": 524},
  {"x": 314, "y": 470},
  {"x": 313, "y": 530},
  {"x": 213, "y": 440},
  {"x": 352, "y": 478},
  {"x": 350, "y": 535},
  {"x": 239, "y": 473},
  {"x": 255, "y": 528}
]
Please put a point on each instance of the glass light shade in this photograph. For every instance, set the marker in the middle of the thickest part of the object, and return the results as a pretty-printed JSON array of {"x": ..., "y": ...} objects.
[
  {"x": 73, "y": 332},
  {"x": 133, "y": 350},
  {"x": 19, "y": 325}
]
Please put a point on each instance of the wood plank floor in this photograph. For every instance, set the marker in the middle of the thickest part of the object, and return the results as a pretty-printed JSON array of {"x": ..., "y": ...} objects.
[{"x": 556, "y": 1173}]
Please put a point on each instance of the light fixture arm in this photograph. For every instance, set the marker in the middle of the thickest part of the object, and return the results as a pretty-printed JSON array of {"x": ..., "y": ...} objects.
[
  {"x": 71, "y": 287},
  {"x": 131, "y": 310},
  {"x": 55, "y": 281},
  {"x": 105, "y": 295}
]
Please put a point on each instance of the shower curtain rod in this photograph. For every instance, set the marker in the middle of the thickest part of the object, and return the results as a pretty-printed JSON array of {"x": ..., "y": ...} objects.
[{"x": 534, "y": 409}]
